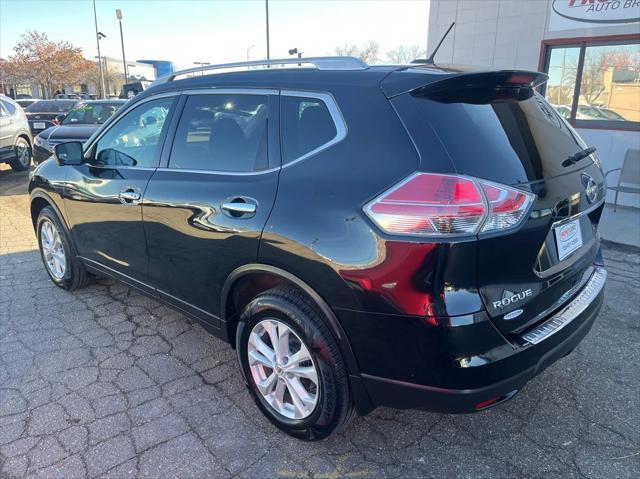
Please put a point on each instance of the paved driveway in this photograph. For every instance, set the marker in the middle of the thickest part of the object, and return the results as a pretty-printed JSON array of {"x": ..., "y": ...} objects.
[{"x": 105, "y": 382}]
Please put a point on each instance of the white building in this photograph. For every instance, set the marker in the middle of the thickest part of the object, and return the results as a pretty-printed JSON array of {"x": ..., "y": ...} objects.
[{"x": 589, "y": 48}]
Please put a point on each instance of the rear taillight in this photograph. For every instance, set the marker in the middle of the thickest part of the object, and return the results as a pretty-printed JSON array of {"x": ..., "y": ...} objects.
[
  {"x": 55, "y": 121},
  {"x": 428, "y": 204}
]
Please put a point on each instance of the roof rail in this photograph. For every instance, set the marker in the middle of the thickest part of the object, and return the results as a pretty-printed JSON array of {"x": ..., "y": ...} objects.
[{"x": 320, "y": 63}]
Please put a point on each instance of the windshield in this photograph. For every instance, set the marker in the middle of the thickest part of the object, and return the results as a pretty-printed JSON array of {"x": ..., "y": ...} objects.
[
  {"x": 53, "y": 106},
  {"x": 91, "y": 114}
]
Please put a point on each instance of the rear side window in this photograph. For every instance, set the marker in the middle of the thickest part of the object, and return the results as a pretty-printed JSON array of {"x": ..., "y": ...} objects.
[
  {"x": 222, "y": 132},
  {"x": 307, "y": 126},
  {"x": 10, "y": 107}
]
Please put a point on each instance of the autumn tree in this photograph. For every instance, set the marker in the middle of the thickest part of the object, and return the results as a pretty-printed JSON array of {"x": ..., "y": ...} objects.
[
  {"x": 46, "y": 63},
  {"x": 405, "y": 54}
]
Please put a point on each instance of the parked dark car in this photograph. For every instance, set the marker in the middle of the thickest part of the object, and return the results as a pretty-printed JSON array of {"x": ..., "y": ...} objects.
[
  {"x": 44, "y": 114},
  {"x": 15, "y": 138},
  {"x": 78, "y": 125},
  {"x": 25, "y": 102},
  {"x": 129, "y": 90},
  {"x": 414, "y": 236}
]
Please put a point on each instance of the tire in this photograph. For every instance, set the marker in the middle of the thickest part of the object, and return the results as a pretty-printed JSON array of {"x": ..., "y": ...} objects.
[
  {"x": 22, "y": 160},
  {"x": 72, "y": 275},
  {"x": 333, "y": 406}
]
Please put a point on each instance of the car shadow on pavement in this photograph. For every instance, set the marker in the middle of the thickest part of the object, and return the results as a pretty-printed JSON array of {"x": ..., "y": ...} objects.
[
  {"x": 106, "y": 380},
  {"x": 13, "y": 182}
]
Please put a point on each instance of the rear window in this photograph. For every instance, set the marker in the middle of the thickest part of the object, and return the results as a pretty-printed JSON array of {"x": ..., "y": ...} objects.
[
  {"x": 307, "y": 126},
  {"x": 91, "y": 114},
  {"x": 509, "y": 137},
  {"x": 50, "y": 106}
]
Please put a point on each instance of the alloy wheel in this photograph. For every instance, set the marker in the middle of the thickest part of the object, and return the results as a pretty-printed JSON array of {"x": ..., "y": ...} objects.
[
  {"x": 283, "y": 369},
  {"x": 22, "y": 152},
  {"x": 52, "y": 250}
]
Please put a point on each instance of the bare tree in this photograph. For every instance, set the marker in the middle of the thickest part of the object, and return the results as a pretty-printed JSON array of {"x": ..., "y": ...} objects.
[
  {"x": 113, "y": 78},
  {"x": 45, "y": 63},
  {"x": 405, "y": 54},
  {"x": 369, "y": 53},
  {"x": 597, "y": 62}
]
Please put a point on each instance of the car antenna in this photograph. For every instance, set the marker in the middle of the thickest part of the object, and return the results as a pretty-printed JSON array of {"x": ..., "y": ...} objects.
[{"x": 429, "y": 60}]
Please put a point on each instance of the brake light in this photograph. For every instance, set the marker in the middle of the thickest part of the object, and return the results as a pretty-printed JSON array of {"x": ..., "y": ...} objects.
[
  {"x": 428, "y": 204},
  {"x": 55, "y": 122}
]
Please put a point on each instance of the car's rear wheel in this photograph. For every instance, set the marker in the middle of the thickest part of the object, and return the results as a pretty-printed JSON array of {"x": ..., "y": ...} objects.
[
  {"x": 292, "y": 364},
  {"x": 62, "y": 266},
  {"x": 22, "y": 160}
]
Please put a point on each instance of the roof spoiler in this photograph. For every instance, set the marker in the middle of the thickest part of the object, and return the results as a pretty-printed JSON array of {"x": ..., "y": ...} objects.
[{"x": 490, "y": 79}]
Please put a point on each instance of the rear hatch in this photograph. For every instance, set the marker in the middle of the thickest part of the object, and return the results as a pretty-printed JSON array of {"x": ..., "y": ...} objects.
[
  {"x": 494, "y": 126},
  {"x": 41, "y": 114}
]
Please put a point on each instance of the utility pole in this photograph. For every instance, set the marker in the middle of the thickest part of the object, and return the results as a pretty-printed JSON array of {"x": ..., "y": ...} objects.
[
  {"x": 124, "y": 60},
  {"x": 266, "y": 3},
  {"x": 98, "y": 35}
]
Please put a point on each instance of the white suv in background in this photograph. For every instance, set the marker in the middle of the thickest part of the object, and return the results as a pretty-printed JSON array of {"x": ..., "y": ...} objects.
[{"x": 15, "y": 137}]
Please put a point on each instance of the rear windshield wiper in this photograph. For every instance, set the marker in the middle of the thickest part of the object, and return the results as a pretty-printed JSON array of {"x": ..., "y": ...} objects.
[{"x": 579, "y": 156}]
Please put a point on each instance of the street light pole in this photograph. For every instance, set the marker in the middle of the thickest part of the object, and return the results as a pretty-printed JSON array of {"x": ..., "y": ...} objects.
[
  {"x": 202, "y": 65},
  {"x": 124, "y": 60},
  {"x": 266, "y": 3},
  {"x": 98, "y": 34}
]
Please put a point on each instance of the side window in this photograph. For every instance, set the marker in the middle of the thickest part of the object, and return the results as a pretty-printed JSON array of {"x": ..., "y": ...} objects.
[
  {"x": 306, "y": 126},
  {"x": 9, "y": 107},
  {"x": 222, "y": 132},
  {"x": 135, "y": 139},
  {"x": 3, "y": 112}
]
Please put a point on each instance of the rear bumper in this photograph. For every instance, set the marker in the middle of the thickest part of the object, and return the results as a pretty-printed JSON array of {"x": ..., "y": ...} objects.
[{"x": 499, "y": 374}]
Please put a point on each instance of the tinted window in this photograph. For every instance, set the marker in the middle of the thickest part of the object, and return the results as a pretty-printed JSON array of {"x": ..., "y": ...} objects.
[
  {"x": 9, "y": 106},
  {"x": 306, "y": 125},
  {"x": 91, "y": 114},
  {"x": 134, "y": 139},
  {"x": 509, "y": 140},
  {"x": 222, "y": 133},
  {"x": 53, "y": 106}
]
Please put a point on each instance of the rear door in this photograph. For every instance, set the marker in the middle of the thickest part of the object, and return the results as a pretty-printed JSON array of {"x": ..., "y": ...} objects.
[
  {"x": 205, "y": 208},
  {"x": 506, "y": 133}
]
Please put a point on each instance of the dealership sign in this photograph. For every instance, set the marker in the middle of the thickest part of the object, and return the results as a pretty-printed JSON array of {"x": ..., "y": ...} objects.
[{"x": 567, "y": 14}]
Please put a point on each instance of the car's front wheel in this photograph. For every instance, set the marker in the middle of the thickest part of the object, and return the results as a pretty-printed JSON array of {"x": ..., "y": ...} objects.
[
  {"x": 63, "y": 267},
  {"x": 292, "y": 364},
  {"x": 22, "y": 151}
]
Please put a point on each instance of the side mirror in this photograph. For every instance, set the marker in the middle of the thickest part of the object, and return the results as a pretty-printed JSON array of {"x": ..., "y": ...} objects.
[{"x": 69, "y": 153}]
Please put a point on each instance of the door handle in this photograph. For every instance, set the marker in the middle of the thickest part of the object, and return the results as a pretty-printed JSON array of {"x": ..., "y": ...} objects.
[
  {"x": 239, "y": 206},
  {"x": 129, "y": 196}
]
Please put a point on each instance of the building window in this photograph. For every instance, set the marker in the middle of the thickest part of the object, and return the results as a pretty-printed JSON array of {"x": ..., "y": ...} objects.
[{"x": 595, "y": 83}]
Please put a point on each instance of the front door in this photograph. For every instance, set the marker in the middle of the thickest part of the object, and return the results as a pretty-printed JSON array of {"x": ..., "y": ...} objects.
[
  {"x": 103, "y": 196},
  {"x": 205, "y": 209}
]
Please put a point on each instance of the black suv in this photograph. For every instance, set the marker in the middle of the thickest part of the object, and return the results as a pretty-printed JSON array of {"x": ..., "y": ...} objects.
[{"x": 416, "y": 236}]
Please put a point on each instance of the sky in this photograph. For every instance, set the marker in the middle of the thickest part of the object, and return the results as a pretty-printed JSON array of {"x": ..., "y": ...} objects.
[{"x": 216, "y": 31}]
